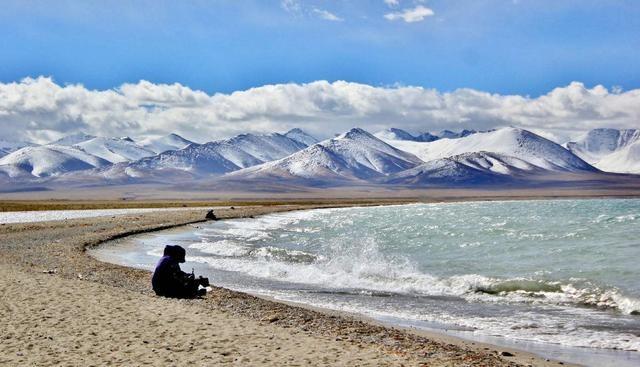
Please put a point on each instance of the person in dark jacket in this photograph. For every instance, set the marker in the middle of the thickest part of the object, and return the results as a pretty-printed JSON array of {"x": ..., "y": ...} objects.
[{"x": 170, "y": 281}]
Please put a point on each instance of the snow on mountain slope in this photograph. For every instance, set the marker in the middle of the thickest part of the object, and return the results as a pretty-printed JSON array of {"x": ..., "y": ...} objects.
[
  {"x": 445, "y": 171},
  {"x": 164, "y": 143},
  {"x": 610, "y": 150},
  {"x": 427, "y": 137},
  {"x": 48, "y": 160},
  {"x": 518, "y": 143},
  {"x": 301, "y": 136},
  {"x": 7, "y": 146},
  {"x": 496, "y": 163},
  {"x": 73, "y": 139},
  {"x": 355, "y": 155},
  {"x": 267, "y": 147},
  {"x": 448, "y": 134},
  {"x": 624, "y": 160},
  {"x": 399, "y": 134},
  {"x": 465, "y": 169},
  {"x": 394, "y": 134},
  {"x": 213, "y": 158},
  {"x": 316, "y": 163},
  {"x": 361, "y": 149},
  {"x": 114, "y": 150},
  {"x": 222, "y": 156}
]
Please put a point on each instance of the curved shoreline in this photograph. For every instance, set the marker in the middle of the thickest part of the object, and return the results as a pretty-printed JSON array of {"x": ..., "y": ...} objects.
[
  {"x": 61, "y": 251},
  {"x": 111, "y": 253}
]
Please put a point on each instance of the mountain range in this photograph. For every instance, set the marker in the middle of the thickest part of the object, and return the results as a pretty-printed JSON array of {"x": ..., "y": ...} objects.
[
  {"x": 609, "y": 150},
  {"x": 393, "y": 157}
]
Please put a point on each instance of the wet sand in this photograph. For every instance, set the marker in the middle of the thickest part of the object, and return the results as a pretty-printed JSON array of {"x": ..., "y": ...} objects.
[{"x": 60, "y": 306}]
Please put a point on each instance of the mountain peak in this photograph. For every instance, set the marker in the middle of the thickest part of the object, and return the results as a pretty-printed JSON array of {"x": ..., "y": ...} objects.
[
  {"x": 448, "y": 134},
  {"x": 393, "y": 133},
  {"x": 426, "y": 137},
  {"x": 114, "y": 150},
  {"x": 356, "y": 133},
  {"x": 162, "y": 144},
  {"x": 301, "y": 136},
  {"x": 509, "y": 141},
  {"x": 612, "y": 150},
  {"x": 73, "y": 139},
  {"x": 295, "y": 130}
]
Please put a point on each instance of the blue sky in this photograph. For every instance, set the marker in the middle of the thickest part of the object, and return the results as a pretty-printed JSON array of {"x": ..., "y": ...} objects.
[{"x": 525, "y": 47}]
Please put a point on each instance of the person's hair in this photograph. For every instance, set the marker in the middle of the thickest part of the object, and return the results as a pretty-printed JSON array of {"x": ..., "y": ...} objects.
[
  {"x": 176, "y": 252},
  {"x": 168, "y": 250},
  {"x": 179, "y": 254}
]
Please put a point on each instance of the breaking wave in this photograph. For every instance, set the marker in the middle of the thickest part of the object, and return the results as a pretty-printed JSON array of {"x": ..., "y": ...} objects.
[
  {"x": 366, "y": 269},
  {"x": 549, "y": 271}
]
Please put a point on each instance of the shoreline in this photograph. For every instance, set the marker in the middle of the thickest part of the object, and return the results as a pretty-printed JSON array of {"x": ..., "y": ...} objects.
[
  {"x": 445, "y": 333},
  {"x": 13, "y": 205},
  {"x": 413, "y": 348}
]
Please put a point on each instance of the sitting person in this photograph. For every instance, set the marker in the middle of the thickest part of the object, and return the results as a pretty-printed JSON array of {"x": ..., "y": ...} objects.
[{"x": 170, "y": 281}]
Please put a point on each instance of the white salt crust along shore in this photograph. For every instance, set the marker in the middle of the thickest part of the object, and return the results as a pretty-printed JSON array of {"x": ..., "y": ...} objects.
[{"x": 50, "y": 215}]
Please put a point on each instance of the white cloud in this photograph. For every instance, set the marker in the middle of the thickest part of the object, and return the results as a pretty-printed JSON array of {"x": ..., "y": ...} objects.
[
  {"x": 40, "y": 110},
  {"x": 291, "y": 6},
  {"x": 327, "y": 15},
  {"x": 411, "y": 15},
  {"x": 392, "y": 3}
]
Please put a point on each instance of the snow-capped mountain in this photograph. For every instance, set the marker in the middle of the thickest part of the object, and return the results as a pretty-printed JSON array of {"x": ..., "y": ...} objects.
[
  {"x": 7, "y": 146},
  {"x": 114, "y": 150},
  {"x": 266, "y": 147},
  {"x": 394, "y": 134},
  {"x": 508, "y": 156},
  {"x": 203, "y": 159},
  {"x": 610, "y": 150},
  {"x": 301, "y": 136},
  {"x": 496, "y": 163},
  {"x": 354, "y": 155},
  {"x": 164, "y": 143},
  {"x": 426, "y": 137},
  {"x": 448, "y": 134},
  {"x": 513, "y": 142},
  {"x": 399, "y": 134},
  {"x": 624, "y": 160},
  {"x": 465, "y": 169},
  {"x": 73, "y": 139},
  {"x": 48, "y": 160},
  {"x": 222, "y": 156}
]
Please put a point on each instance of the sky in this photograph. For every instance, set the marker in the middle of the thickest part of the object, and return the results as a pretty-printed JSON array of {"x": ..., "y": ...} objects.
[{"x": 563, "y": 66}]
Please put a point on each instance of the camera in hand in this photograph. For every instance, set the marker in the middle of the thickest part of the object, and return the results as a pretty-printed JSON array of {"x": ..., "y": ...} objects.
[{"x": 202, "y": 281}]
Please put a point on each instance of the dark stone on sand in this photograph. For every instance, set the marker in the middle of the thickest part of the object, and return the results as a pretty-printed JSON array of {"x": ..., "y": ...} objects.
[{"x": 506, "y": 354}]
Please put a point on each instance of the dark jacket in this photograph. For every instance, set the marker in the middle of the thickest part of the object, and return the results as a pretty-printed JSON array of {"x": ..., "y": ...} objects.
[{"x": 169, "y": 280}]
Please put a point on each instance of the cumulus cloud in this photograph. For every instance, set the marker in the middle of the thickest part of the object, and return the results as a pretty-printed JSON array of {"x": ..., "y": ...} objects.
[
  {"x": 327, "y": 15},
  {"x": 392, "y": 3},
  {"x": 410, "y": 15},
  {"x": 40, "y": 110}
]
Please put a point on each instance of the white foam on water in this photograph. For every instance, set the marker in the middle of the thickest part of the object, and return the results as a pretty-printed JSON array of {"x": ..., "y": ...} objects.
[
  {"x": 260, "y": 228},
  {"x": 364, "y": 267},
  {"x": 226, "y": 248},
  {"x": 378, "y": 250}
]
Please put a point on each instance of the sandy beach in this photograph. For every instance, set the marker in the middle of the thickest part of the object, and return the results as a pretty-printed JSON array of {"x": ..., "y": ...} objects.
[{"x": 59, "y": 306}]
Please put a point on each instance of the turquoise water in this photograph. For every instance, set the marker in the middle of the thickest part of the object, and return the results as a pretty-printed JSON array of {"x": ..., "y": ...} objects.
[{"x": 562, "y": 272}]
